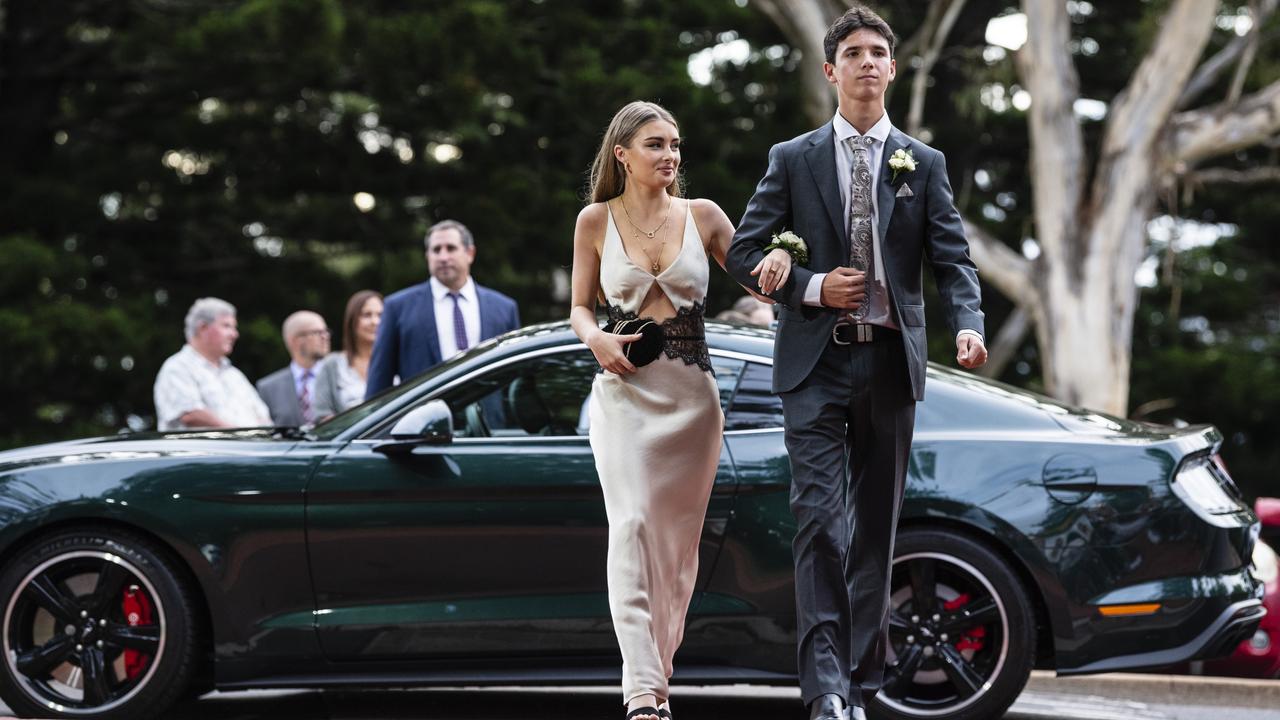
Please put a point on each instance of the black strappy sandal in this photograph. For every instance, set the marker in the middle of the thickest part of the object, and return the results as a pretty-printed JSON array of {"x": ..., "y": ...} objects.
[{"x": 644, "y": 711}]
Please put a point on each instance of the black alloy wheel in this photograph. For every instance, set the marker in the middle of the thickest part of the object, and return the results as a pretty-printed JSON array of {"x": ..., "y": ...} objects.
[
  {"x": 962, "y": 631},
  {"x": 96, "y": 625}
]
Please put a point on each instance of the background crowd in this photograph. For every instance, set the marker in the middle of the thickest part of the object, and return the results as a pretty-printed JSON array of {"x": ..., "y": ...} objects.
[{"x": 199, "y": 386}]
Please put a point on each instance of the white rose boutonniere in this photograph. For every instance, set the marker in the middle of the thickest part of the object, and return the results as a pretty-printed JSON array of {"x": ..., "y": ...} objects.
[
  {"x": 901, "y": 161},
  {"x": 793, "y": 244}
]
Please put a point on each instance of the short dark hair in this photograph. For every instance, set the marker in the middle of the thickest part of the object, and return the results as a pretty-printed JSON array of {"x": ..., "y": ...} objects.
[{"x": 856, "y": 18}]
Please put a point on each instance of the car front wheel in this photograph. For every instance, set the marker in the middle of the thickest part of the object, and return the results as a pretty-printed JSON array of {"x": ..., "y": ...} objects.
[
  {"x": 962, "y": 631},
  {"x": 97, "y": 624}
]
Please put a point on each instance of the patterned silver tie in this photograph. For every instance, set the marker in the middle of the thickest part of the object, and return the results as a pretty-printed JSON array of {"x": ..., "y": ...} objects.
[{"x": 860, "y": 212}]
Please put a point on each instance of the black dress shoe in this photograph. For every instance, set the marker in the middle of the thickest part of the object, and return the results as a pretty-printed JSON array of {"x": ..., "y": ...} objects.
[{"x": 828, "y": 707}]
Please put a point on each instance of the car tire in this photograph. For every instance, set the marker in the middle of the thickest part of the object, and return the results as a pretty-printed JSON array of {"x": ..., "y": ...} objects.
[
  {"x": 97, "y": 624},
  {"x": 962, "y": 638}
]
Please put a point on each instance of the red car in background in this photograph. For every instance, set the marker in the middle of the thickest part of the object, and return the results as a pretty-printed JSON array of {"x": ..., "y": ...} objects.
[{"x": 1259, "y": 656}]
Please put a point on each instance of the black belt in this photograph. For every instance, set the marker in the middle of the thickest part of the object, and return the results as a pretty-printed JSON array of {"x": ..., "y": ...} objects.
[{"x": 849, "y": 333}]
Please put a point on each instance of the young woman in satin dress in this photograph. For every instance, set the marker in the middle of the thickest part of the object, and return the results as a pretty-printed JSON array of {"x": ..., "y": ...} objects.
[{"x": 643, "y": 249}]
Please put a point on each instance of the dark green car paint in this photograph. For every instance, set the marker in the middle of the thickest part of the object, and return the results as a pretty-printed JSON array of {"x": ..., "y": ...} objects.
[{"x": 487, "y": 554}]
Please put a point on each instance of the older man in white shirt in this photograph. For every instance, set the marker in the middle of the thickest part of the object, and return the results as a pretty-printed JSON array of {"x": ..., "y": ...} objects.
[{"x": 198, "y": 387}]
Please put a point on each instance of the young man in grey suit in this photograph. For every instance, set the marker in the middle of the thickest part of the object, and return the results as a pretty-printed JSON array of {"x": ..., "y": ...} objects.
[{"x": 873, "y": 205}]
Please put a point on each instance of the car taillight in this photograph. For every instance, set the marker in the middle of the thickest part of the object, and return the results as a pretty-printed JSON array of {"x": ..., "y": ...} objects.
[{"x": 1205, "y": 492}]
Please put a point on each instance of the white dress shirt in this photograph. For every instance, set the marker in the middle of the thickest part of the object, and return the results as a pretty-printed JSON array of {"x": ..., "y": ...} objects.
[
  {"x": 470, "y": 304},
  {"x": 188, "y": 381},
  {"x": 879, "y": 294}
]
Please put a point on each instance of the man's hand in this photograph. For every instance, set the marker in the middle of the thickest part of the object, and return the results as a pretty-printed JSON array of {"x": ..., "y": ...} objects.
[
  {"x": 970, "y": 352},
  {"x": 844, "y": 288}
]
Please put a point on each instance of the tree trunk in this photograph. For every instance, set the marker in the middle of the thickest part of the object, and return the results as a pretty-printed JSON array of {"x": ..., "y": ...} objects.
[{"x": 1085, "y": 336}]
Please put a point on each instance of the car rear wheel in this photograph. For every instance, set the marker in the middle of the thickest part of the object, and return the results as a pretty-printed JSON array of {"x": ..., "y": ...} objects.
[
  {"x": 97, "y": 624},
  {"x": 961, "y": 631}
]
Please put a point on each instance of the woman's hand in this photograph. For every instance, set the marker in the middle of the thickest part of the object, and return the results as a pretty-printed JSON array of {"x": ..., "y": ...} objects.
[
  {"x": 773, "y": 270},
  {"x": 608, "y": 349}
]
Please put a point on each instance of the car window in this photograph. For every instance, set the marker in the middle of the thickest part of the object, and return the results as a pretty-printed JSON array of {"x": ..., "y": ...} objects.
[
  {"x": 727, "y": 371},
  {"x": 754, "y": 405},
  {"x": 540, "y": 396}
]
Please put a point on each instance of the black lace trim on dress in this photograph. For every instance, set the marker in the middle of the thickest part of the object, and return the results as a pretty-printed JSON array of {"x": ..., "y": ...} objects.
[{"x": 685, "y": 334}]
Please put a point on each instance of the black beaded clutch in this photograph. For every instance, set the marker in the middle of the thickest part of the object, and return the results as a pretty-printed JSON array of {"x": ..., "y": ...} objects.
[{"x": 646, "y": 349}]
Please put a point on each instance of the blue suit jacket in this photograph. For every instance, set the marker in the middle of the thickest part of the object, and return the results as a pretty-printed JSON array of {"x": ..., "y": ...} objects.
[{"x": 407, "y": 342}]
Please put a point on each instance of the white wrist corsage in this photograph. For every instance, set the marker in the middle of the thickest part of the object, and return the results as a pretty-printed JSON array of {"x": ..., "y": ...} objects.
[{"x": 792, "y": 244}]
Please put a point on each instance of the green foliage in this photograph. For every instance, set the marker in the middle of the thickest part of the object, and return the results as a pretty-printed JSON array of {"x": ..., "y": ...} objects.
[{"x": 166, "y": 151}]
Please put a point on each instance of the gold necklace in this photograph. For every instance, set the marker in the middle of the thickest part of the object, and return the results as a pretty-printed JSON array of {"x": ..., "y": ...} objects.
[
  {"x": 637, "y": 229},
  {"x": 654, "y": 265}
]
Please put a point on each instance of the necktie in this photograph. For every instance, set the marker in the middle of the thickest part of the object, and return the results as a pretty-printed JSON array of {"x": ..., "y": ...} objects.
[
  {"x": 459, "y": 326},
  {"x": 860, "y": 211},
  {"x": 304, "y": 399}
]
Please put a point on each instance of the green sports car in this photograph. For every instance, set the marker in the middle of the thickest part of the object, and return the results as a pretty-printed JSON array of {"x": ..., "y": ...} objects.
[{"x": 451, "y": 531}]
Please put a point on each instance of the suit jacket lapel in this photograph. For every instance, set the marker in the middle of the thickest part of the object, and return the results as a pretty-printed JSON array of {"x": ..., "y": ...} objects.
[
  {"x": 487, "y": 330},
  {"x": 433, "y": 333},
  {"x": 821, "y": 158},
  {"x": 887, "y": 191}
]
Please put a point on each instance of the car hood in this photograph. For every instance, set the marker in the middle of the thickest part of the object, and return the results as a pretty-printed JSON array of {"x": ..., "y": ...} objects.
[{"x": 137, "y": 445}]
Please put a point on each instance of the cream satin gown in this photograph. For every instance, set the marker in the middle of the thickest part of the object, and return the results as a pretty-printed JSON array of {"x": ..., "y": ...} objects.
[{"x": 656, "y": 437}]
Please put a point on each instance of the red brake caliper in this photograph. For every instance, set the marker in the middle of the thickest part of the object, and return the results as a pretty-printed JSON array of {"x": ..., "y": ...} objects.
[
  {"x": 137, "y": 611},
  {"x": 972, "y": 638}
]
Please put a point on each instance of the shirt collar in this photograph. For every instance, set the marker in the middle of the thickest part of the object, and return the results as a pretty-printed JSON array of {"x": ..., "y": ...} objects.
[
  {"x": 440, "y": 292},
  {"x": 193, "y": 354},
  {"x": 298, "y": 371},
  {"x": 879, "y": 131}
]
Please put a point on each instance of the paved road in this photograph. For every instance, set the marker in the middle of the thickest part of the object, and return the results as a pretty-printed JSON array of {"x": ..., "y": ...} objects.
[{"x": 1117, "y": 699}]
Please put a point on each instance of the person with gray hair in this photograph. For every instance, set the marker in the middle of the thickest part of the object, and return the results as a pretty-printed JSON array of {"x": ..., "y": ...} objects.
[
  {"x": 430, "y": 322},
  {"x": 198, "y": 387}
]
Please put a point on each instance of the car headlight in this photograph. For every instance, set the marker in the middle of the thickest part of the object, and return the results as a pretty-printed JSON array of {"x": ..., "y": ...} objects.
[
  {"x": 1202, "y": 491},
  {"x": 1266, "y": 566}
]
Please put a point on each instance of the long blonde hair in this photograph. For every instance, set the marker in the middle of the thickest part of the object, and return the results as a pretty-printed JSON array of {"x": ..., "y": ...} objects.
[{"x": 608, "y": 177}]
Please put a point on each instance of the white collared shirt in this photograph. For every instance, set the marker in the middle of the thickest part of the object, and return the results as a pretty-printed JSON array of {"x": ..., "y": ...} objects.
[
  {"x": 188, "y": 381},
  {"x": 880, "y": 300},
  {"x": 470, "y": 304}
]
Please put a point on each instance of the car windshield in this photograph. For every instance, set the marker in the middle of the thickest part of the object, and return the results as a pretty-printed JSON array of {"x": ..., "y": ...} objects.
[{"x": 336, "y": 425}]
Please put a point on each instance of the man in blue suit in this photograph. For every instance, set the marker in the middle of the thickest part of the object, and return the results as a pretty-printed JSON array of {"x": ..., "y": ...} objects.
[{"x": 431, "y": 322}]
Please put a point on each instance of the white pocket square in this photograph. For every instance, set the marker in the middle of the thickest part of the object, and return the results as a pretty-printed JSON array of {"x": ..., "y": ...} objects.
[{"x": 904, "y": 191}]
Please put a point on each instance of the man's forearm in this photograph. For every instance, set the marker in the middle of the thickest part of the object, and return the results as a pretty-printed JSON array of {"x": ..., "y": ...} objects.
[{"x": 202, "y": 418}]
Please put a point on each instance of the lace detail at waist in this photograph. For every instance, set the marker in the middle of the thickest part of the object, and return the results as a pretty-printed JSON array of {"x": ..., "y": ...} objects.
[{"x": 684, "y": 334}]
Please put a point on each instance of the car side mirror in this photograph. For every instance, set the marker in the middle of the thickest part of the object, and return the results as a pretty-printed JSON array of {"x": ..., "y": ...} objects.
[{"x": 430, "y": 424}]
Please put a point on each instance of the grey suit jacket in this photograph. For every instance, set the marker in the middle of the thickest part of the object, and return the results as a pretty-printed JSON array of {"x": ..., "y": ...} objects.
[
  {"x": 800, "y": 192},
  {"x": 277, "y": 391}
]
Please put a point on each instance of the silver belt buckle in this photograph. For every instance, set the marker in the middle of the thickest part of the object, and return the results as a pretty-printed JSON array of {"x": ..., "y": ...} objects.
[
  {"x": 862, "y": 333},
  {"x": 835, "y": 333}
]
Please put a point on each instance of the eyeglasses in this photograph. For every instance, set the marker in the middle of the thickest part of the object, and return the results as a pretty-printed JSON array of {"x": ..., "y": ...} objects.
[{"x": 307, "y": 333}]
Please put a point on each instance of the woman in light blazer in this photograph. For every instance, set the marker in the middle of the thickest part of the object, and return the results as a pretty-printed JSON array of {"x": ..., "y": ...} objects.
[{"x": 340, "y": 383}]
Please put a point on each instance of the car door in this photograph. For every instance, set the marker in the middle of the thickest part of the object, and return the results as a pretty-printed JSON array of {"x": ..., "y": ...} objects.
[
  {"x": 490, "y": 546},
  {"x": 748, "y": 608}
]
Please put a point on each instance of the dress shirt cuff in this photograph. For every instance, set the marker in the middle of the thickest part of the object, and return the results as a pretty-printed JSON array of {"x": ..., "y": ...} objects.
[
  {"x": 974, "y": 333},
  {"x": 813, "y": 291}
]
